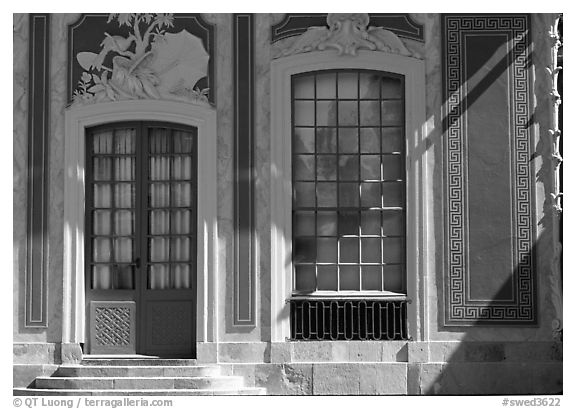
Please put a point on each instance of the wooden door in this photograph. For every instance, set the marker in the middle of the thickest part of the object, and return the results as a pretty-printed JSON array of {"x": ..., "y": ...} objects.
[{"x": 141, "y": 239}]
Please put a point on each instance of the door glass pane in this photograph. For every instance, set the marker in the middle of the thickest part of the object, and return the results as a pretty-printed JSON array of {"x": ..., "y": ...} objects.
[
  {"x": 181, "y": 276},
  {"x": 101, "y": 222}
]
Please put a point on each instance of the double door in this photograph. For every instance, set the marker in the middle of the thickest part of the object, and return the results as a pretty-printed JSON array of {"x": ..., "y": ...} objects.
[{"x": 140, "y": 237}]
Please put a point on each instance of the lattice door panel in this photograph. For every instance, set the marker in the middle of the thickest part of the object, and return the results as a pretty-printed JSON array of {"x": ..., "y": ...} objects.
[{"x": 112, "y": 326}]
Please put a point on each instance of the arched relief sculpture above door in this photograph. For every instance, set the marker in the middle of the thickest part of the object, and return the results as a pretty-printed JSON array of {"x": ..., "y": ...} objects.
[
  {"x": 140, "y": 56},
  {"x": 347, "y": 33}
]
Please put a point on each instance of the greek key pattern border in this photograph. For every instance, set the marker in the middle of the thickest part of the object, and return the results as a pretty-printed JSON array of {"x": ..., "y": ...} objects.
[{"x": 459, "y": 309}]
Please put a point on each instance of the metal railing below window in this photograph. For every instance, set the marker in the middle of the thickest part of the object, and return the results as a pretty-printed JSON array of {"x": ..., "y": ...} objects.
[{"x": 347, "y": 319}]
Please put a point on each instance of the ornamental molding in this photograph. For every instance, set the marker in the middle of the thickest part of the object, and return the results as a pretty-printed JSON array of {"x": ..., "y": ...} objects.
[
  {"x": 347, "y": 33},
  {"x": 148, "y": 63}
]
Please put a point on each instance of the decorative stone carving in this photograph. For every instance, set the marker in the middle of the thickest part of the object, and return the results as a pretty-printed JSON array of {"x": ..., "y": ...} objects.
[
  {"x": 556, "y": 161},
  {"x": 149, "y": 63},
  {"x": 348, "y": 33}
]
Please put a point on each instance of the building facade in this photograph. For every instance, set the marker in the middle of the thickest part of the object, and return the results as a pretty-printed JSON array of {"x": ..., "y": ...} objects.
[{"x": 320, "y": 203}]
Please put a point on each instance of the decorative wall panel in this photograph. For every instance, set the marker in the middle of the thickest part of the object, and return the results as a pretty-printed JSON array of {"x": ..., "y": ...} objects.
[
  {"x": 244, "y": 263},
  {"x": 112, "y": 327},
  {"x": 38, "y": 126},
  {"x": 139, "y": 56},
  {"x": 488, "y": 176},
  {"x": 295, "y": 24}
]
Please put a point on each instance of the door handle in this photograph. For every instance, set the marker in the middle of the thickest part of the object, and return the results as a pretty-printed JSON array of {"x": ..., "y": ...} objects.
[{"x": 137, "y": 262}]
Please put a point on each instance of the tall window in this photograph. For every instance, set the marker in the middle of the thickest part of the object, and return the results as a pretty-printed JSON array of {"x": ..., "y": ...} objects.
[
  {"x": 348, "y": 204},
  {"x": 348, "y": 182}
]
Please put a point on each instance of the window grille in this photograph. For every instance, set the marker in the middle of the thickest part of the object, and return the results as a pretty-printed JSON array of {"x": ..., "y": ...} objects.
[{"x": 347, "y": 320}]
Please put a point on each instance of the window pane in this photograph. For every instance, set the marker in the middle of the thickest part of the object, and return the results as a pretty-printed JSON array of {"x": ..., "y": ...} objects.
[
  {"x": 182, "y": 167},
  {"x": 102, "y": 169},
  {"x": 125, "y": 277},
  {"x": 370, "y": 194},
  {"x": 101, "y": 277},
  {"x": 349, "y": 250},
  {"x": 392, "y": 113},
  {"x": 304, "y": 140},
  {"x": 326, "y": 224},
  {"x": 124, "y": 141},
  {"x": 393, "y": 223},
  {"x": 371, "y": 222},
  {"x": 326, "y": 194},
  {"x": 101, "y": 222},
  {"x": 369, "y": 83},
  {"x": 159, "y": 195},
  {"x": 372, "y": 278},
  {"x": 101, "y": 250},
  {"x": 180, "y": 249},
  {"x": 181, "y": 194},
  {"x": 304, "y": 250},
  {"x": 303, "y": 167},
  {"x": 303, "y": 113},
  {"x": 158, "y": 277},
  {"x": 347, "y": 140},
  {"x": 326, "y": 140},
  {"x": 370, "y": 140},
  {"x": 392, "y": 167},
  {"x": 303, "y": 86},
  {"x": 348, "y": 167},
  {"x": 327, "y": 250},
  {"x": 159, "y": 222},
  {"x": 124, "y": 168},
  {"x": 348, "y": 194},
  {"x": 369, "y": 113},
  {"x": 159, "y": 249},
  {"x": 392, "y": 250},
  {"x": 326, "y": 86},
  {"x": 181, "y": 222},
  {"x": 327, "y": 278},
  {"x": 391, "y": 87},
  {"x": 181, "y": 275},
  {"x": 102, "y": 142},
  {"x": 370, "y": 167},
  {"x": 347, "y": 85},
  {"x": 327, "y": 169},
  {"x": 394, "y": 279},
  {"x": 392, "y": 194},
  {"x": 392, "y": 140},
  {"x": 304, "y": 224},
  {"x": 325, "y": 113},
  {"x": 348, "y": 223},
  {"x": 159, "y": 140},
  {"x": 183, "y": 141},
  {"x": 124, "y": 195},
  {"x": 102, "y": 195},
  {"x": 123, "y": 222},
  {"x": 123, "y": 250},
  {"x": 371, "y": 251},
  {"x": 347, "y": 113},
  {"x": 305, "y": 278},
  {"x": 349, "y": 278},
  {"x": 304, "y": 194},
  {"x": 159, "y": 168}
]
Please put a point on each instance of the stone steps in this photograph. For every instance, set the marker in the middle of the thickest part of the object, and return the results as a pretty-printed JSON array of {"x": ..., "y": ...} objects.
[
  {"x": 138, "y": 376},
  {"x": 85, "y": 371}
]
